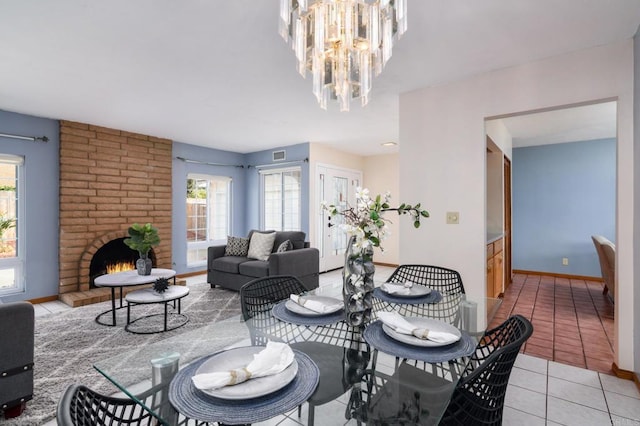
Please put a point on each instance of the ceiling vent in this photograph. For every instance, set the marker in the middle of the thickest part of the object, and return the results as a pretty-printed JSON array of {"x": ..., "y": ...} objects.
[{"x": 279, "y": 155}]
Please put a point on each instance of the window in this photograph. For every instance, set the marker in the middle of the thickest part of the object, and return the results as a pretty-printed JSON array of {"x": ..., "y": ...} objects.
[
  {"x": 208, "y": 214},
  {"x": 11, "y": 262},
  {"x": 281, "y": 199}
]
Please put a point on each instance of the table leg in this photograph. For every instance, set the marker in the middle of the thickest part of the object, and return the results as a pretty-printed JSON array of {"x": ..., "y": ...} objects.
[
  {"x": 179, "y": 305},
  {"x": 128, "y": 313},
  {"x": 113, "y": 303},
  {"x": 165, "y": 316}
]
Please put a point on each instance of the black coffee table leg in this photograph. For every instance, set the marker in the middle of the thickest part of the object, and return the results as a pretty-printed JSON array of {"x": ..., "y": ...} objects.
[
  {"x": 165, "y": 316},
  {"x": 113, "y": 303}
]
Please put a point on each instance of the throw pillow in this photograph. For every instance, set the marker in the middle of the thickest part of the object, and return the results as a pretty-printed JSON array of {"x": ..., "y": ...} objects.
[
  {"x": 261, "y": 245},
  {"x": 237, "y": 246},
  {"x": 285, "y": 246}
]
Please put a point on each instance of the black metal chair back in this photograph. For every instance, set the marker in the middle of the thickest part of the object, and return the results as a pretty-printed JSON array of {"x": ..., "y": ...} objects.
[
  {"x": 446, "y": 281},
  {"x": 479, "y": 395},
  {"x": 261, "y": 295},
  {"x": 81, "y": 406}
]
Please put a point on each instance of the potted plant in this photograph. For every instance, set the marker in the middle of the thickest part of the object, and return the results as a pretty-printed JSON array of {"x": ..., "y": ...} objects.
[
  {"x": 142, "y": 238},
  {"x": 367, "y": 228}
]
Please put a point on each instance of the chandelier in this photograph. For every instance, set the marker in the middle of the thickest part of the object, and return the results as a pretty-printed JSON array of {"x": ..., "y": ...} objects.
[{"x": 343, "y": 43}]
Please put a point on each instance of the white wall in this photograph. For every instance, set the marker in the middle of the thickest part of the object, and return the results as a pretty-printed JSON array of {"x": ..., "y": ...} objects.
[
  {"x": 380, "y": 176},
  {"x": 442, "y": 160}
]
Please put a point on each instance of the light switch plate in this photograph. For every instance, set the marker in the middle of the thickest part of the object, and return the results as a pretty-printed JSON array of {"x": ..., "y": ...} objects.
[{"x": 453, "y": 218}]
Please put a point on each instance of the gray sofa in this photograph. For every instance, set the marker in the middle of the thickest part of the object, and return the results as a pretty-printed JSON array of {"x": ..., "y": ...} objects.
[
  {"x": 232, "y": 272},
  {"x": 16, "y": 356}
]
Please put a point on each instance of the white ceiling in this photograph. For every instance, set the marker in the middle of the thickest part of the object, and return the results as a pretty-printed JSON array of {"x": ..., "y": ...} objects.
[{"x": 217, "y": 74}]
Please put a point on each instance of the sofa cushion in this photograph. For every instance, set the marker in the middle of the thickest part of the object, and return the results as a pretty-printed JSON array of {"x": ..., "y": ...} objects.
[
  {"x": 237, "y": 246},
  {"x": 296, "y": 238},
  {"x": 285, "y": 246},
  {"x": 228, "y": 263},
  {"x": 254, "y": 268},
  {"x": 261, "y": 245}
]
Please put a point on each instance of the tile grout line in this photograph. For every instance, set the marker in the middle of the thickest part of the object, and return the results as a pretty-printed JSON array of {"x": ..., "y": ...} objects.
[{"x": 575, "y": 310}]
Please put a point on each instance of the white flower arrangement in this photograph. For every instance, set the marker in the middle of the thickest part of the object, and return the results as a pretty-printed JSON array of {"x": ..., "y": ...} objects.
[{"x": 364, "y": 221}]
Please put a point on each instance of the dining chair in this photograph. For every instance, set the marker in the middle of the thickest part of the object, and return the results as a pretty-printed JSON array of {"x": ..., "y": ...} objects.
[
  {"x": 257, "y": 298},
  {"x": 81, "y": 406},
  {"x": 479, "y": 395},
  {"x": 412, "y": 396},
  {"x": 607, "y": 258}
]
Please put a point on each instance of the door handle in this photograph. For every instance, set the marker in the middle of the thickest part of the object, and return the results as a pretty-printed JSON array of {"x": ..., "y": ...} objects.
[{"x": 329, "y": 225}]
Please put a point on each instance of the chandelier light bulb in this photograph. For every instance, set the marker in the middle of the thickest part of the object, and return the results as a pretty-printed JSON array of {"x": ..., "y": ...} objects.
[{"x": 342, "y": 43}]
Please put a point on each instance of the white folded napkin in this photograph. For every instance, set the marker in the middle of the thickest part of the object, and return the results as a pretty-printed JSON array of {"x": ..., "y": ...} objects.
[
  {"x": 273, "y": 359},
  {"x": 401, "y": 325},
  {"x": 397, "y": 288},
  {"x": 319, "y": 306}
]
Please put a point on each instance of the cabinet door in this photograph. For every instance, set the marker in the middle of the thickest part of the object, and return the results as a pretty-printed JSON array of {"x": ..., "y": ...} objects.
[
  {"x": 490, "y": 278},
  {"x": 498, "y": 273}
]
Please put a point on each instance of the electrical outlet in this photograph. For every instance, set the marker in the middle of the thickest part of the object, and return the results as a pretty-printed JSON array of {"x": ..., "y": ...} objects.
[
  {"x": 565, "y": 261},
  {"x": 453, "y": 218}
]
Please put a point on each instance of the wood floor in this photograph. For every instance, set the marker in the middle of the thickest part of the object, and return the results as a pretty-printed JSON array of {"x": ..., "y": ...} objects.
[{"x": 572, "y": 319}]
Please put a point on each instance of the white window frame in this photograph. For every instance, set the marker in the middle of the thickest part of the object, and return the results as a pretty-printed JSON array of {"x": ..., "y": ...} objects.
[
  {"x": 16, "y": 263},
  {"x": 263, "y": 173},
  {"x": 195, "y": 245}
]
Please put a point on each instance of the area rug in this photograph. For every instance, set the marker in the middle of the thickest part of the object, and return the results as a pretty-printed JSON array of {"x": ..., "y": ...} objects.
[{"x": 67, "y": 344}]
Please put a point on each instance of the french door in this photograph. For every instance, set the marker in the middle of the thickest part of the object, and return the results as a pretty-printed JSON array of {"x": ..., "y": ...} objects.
[{"x": 338, "y": 187}]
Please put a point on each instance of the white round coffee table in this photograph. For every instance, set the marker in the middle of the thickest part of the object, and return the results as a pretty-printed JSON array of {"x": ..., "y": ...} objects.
[
  {"x": 148, "y": 296},
  {"x": 126, "y": 279}
]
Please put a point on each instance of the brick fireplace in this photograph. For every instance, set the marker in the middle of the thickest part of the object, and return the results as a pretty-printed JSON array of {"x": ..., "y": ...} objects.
[{"x": 109, "y": 179}]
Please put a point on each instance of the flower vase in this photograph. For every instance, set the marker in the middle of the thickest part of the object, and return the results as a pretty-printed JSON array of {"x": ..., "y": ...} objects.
[
  {"x": 357, "y": 288},
  {"x": 144, "y": 265}
]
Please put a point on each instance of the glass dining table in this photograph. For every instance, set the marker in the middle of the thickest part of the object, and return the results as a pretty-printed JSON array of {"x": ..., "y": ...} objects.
[{"x": 375, "y": 378}]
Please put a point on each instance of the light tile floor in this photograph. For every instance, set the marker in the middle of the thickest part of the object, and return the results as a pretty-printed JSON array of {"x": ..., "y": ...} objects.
[{"x": 540, "y": 392}]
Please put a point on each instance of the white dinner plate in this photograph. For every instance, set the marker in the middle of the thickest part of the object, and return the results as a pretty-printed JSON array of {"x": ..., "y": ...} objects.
[
  {"x": 416, "y": 290},
  {"x": 252, "y": 388},
  {"x": 301, "y": 310},
  {"x": 430, "y": 323}
]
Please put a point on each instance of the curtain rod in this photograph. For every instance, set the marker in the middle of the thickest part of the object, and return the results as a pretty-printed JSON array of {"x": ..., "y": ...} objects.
[
  {"x": 26, "y": 138},
  {"x": 306, "y": 160},
  {"x": 210, "y": 164}
]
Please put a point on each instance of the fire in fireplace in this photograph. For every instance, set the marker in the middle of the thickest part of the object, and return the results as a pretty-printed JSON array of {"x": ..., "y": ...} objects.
[{"x": 114, "y": 256}]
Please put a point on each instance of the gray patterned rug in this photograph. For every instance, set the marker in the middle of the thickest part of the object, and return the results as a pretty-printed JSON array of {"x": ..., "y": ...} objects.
[{"x": 68, "y": 343}]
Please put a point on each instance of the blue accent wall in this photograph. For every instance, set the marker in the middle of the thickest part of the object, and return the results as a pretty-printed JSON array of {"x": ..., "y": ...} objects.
[
  {"x": 563, "y": 194},
  {"x": 261, "y": 158},
  {"x": 179, "y": 175},
  {"x": 41, "y": 174},
  {"x": 245, "y": 211}
]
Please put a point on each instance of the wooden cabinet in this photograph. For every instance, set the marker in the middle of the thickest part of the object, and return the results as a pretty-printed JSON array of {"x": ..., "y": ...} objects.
[{"x": 495, "y": 268}]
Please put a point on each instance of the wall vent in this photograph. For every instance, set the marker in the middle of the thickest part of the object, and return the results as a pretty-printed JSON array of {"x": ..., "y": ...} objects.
[{"x": 279, "y": 155}]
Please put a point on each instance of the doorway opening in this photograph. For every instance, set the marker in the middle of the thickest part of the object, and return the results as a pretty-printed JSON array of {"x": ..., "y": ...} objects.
[{"x": 564, "y": 180}]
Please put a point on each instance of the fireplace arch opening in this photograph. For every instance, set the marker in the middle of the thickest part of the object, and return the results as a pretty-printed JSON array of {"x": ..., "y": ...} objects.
[{"x": 114, "y": 256}]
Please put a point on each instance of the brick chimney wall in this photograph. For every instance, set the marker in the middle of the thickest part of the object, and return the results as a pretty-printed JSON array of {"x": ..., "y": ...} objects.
[{"x": 109, "y": 179}]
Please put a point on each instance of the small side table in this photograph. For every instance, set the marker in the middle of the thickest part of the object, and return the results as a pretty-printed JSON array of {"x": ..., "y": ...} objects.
[
  {"x": 126, "y": 279},
  {"x": 148, "y": 296}
]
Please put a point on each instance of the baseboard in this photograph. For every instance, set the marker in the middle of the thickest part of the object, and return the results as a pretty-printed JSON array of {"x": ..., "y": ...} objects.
[
  {"x": 626, "y": 374},
  {"x": 557, "y": 275},
  {"x": 43, "y": 299},
  {"x": 392, "y": 265},
  {"x": 191, "y": 274}
]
